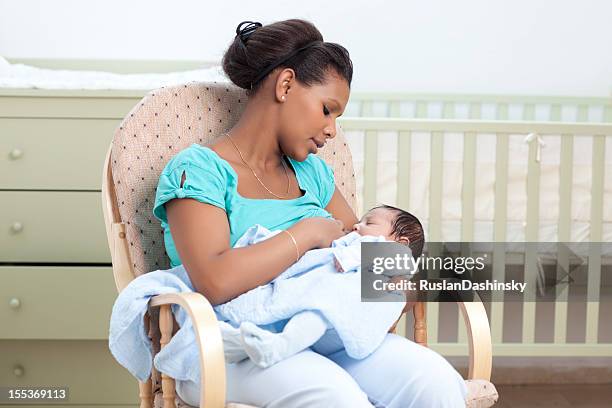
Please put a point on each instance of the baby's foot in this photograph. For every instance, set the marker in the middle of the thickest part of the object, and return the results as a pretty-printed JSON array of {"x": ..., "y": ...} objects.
[
  {"x": 263, "y": 347},
  {"x": 232, "y": 343}
]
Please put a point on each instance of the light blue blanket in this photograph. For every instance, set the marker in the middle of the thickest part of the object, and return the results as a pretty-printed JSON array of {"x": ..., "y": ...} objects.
[
  {"x": 128, "y": 341},
  {"x": 313, "y": 283}
]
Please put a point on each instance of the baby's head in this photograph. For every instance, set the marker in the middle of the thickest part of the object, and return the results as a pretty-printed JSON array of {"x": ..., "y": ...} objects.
[{"x": 395, "y": 225}]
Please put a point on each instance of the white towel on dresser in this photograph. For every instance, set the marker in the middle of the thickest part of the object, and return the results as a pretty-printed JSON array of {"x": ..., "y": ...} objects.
[{"x": 27, "y": 76}]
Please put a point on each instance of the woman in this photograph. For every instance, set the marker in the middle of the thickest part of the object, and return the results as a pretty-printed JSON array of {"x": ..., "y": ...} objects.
[{"x": 264, "y": 171}]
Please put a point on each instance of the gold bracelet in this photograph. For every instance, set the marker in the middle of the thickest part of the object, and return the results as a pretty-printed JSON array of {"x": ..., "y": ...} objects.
[{"x": 297, "y": 250}]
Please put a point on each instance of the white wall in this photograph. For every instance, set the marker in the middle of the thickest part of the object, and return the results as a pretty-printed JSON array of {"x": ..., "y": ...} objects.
[{"x": 553, "y": 47}]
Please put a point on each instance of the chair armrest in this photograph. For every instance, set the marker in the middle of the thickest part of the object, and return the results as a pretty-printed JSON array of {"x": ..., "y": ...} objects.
[
  {"x": 479, "y": 338},
  {"x": 206, "y": 328}
]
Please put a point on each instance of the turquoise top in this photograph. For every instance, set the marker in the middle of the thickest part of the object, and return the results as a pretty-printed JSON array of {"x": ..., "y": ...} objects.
[{"x": 212, "y": 180}]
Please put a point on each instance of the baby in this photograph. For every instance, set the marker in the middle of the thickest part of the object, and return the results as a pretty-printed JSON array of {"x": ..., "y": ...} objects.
[{"x": 310, "y": 328}]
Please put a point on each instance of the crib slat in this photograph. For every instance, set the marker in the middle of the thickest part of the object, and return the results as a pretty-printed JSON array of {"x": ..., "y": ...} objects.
[
  {"x": 370, "y": 164},
  {"x": 555, "y": 112},
  {"x": 435, "y": 219},
  {"x": 531, "y": 236},
  {"x": 528, "y": 112},
  {"x": 393, "y": 110},
  {"x": 475, "y": 110},
  {"x": 434, "y": 248},
  {"x": 403, "y": 169},
  {"x": 435, "y": 188},
  {"x": 403, "y": 177},
  {"x": 370, "y": 160},
  {"x": 420, "y": 110},
  {"x": 499, "y": 254},
  {"x": 502, "y": 111},
  {"x": 448, "y": 110},
  {"x": 582, "y": 114},
  {"x": 564, "y": 235},
  {"x": 596, "y": 234},
  {"x": 469, "y": 186},
  {"x": 362, "y": 107},
  {"x": 607, "y": 114},
  {"x": 403, "y": 165},
  {"x": 593, "y": 292},
  {"x": 597, "y": 187},
  {"x": 467, "y": 209},
  {"x": 366, "y": 108}
]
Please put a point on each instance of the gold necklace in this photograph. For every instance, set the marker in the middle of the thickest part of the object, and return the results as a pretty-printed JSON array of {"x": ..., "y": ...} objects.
[{"x": 253, "y": 171}]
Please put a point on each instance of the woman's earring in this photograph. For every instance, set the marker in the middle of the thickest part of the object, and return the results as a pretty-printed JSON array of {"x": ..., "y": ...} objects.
[{"x": 283, "y": 97}]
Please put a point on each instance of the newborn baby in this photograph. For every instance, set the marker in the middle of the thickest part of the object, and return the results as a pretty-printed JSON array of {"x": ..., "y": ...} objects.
[{"x": 311, "y": 326}]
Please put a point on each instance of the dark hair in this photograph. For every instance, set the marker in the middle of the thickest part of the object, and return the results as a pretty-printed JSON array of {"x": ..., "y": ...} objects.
[
  {"x": 244, "y": 61},
  {"x": 409, "y": 226}
]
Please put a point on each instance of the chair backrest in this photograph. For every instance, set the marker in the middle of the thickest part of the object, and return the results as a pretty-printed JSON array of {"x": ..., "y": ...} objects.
[{"x": 164, "y": 122}]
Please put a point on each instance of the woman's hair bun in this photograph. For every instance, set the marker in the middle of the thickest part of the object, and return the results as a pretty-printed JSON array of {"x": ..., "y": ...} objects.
[{"x": 257, "y": 47}]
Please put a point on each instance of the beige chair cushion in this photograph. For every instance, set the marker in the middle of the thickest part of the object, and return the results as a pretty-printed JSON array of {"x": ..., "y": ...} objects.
[{"x": 166, "y": 121}]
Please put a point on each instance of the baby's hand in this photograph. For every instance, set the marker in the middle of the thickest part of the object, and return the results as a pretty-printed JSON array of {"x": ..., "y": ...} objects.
[{"x": 338, "y": 266}]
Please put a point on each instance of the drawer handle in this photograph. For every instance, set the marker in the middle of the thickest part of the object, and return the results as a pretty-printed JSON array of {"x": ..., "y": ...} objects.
[
  {"x": 17, "y": 226},
  {"x": 15, "y": 303},
  {"x": 18, "y": 371},
  {"x": 16, "y": 154}
]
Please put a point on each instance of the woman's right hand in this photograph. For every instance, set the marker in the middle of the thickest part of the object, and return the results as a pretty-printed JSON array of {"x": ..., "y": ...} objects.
[{"x": 322, "y": 230}]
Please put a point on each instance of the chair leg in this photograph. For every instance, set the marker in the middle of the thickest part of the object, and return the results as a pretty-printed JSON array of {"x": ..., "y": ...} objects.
[
  {"x": 155, "y": 382},
  {"x": 145, "y": 392},
  {"x": 165, "y": 326},
  {"x": 420, "y": 324}
]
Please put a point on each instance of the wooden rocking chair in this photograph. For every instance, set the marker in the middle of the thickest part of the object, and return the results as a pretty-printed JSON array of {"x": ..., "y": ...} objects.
[{"x": 166, "y": 121}]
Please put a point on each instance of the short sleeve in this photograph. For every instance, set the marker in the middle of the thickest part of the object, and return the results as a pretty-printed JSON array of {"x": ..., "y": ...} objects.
[
  {"x": 203, "y": 183},
  {"x": 325, "y": 180}
]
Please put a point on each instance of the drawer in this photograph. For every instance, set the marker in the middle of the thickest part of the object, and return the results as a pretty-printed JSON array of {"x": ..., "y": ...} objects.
[
  {"x": 87, "y": 368},
  {"x": 68, "y": 103},
  {"x": 56, "y": 302},
  {"x": 53, "y": 154},
  {"x": 40, "y": 226}
]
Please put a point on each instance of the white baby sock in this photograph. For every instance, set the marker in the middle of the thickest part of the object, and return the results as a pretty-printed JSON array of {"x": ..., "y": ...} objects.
[
  {"x": 232, "y": 344},
  {"x": 266, "y": 348}
]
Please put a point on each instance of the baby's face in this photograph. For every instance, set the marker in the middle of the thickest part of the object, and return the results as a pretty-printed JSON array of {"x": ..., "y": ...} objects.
[{"x": 378, "y": 221}]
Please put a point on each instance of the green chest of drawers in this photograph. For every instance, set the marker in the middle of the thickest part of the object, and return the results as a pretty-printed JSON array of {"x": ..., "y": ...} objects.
[{"x": 56, "y": 283}]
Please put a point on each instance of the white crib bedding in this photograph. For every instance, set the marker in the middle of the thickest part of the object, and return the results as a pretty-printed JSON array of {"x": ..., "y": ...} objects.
[{"x": 26, "y": 76}]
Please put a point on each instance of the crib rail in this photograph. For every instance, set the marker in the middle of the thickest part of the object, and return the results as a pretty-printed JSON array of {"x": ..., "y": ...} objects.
[
  {"x": 367, "y": 135},
  {"x": 481, "y": 107}
]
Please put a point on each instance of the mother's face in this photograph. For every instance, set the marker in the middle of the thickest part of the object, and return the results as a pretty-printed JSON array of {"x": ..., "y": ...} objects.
[{"x": 308, "y": 114}]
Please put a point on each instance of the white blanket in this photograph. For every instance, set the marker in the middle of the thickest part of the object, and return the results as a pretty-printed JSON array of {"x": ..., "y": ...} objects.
[{"x": 26, "y": 76}]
